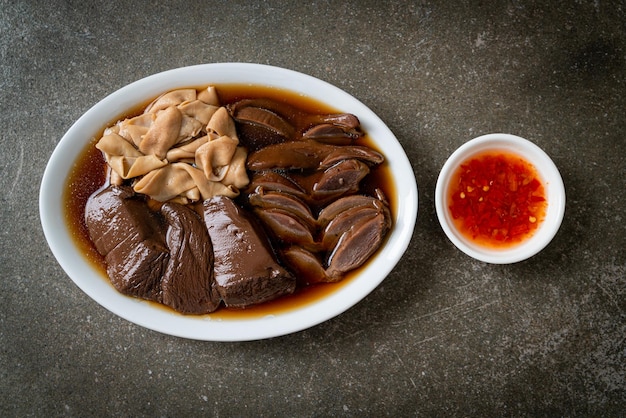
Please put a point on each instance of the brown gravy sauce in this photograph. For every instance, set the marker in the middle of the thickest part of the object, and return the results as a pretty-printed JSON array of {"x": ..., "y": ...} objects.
[{"x": 89, "y": 174}]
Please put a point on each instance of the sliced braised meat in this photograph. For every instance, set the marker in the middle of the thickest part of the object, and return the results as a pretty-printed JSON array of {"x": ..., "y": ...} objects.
[
  {"x": 259, "y": 127},
  {"x": 281, "y": 109},
  {"x": 131, "y": 239},
  {"x": 285, "y": 201},
  {"x": 334, "y": 182},
  {"x": 334, "y": 209},
  {"x": 343, "y": 176},
  {"x": 299, "y": 119},
  {"x": 286, "y": 227},
  {"x": 187, "y": 284},
  {"x": 353, "y": 152},
  {"x": 245, "y": 267},
  {"x": 332, "y": 134},
  {"x": 344, "y": 221},
  {"x": 305, "y": 264},
  {"x": 266, "y": 119},
  {"x": 344, "y": 120},
  {"x": 308, "y": 154},
  {"x": 356, "y": 245},
  {"x": 273, "y": 181},
  {"x": 292, "y": 155}
]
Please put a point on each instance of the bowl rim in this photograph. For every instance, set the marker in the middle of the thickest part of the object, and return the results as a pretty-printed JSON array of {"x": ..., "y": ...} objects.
[
  {"x": 142, "y": 313},
  {"x": 546, "y": 169}
]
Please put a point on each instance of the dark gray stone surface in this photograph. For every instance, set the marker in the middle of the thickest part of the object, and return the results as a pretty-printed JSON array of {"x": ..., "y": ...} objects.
[{"x": 444, "y": 335}]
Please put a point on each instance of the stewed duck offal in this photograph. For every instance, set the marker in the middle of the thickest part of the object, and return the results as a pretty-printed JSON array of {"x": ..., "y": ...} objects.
[
  {"x": 264, "y": 122},
  {"x": 208, "y": 205}
]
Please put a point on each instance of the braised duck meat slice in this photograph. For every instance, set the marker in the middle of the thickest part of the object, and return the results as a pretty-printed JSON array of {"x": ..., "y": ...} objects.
[
  {"x": 305, "y": 264},
  {"x": 263, "y": 199},
  {"x": 299, "y": 120},
  {"x": 346, "y": 233},
  {"x": 130, "y": 237},
  {"x": 353, "y": 152},
  {"x": 245, "y": 267},
  {"x": 324, "y": 186},
  {"x": 356, "y": 245},
  {"x": 332, "y": 134},
  {"x": 308, "y": 154},
  {"x": 286, "y": 228},
  {"x": 354, "y": 227},
  {"x": 259, "y": 127},
  {"x": 343, "y": 222},
  {"x": 344, "y": 176},
  {"x": 274, "y": 181},
  {"x": 187, "y": 284},
  {"x": 296, "y": 116},
  {"x": 336, "y": 208},
  {"x": 292, "y": 155}
]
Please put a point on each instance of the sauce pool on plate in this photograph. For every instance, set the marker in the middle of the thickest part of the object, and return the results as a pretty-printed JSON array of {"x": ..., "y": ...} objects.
[{"x": 497, "y": 199}]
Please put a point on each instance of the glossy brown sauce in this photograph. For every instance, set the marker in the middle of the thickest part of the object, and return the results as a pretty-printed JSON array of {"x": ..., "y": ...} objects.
[{"x": 89, "y": 174}]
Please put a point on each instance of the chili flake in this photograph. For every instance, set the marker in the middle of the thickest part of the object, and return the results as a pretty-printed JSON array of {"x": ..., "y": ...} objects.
[{"x": 497, "y": 199}]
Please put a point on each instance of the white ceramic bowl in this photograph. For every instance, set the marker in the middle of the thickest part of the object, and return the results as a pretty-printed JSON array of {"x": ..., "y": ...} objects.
[
  {"x": 546, "y": 169},
  {"x": 146, "y": 314}
]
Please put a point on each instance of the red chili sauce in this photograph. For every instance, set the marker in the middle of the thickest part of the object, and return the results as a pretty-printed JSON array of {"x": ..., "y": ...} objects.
[{"x": 497, "y": 199}]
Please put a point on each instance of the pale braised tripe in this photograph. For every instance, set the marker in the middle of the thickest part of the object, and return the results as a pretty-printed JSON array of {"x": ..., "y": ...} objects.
[{"x": 184, "y": 148}]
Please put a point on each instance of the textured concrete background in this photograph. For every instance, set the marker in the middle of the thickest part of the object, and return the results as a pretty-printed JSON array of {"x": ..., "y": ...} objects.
[{"x": 444, "y": 335}]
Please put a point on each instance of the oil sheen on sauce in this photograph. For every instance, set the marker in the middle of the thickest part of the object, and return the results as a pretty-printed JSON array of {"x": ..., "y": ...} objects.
[
  {"x": 89, "y": 174},
  {"x": 497, "y": 199}
]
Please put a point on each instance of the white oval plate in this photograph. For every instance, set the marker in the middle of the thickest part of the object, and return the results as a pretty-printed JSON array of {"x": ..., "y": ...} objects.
[{"x": 147, "y": 315}]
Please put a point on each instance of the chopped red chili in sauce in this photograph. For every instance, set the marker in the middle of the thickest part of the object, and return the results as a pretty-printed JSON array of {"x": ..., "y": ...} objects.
[{"x": 497, "y": 199}]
